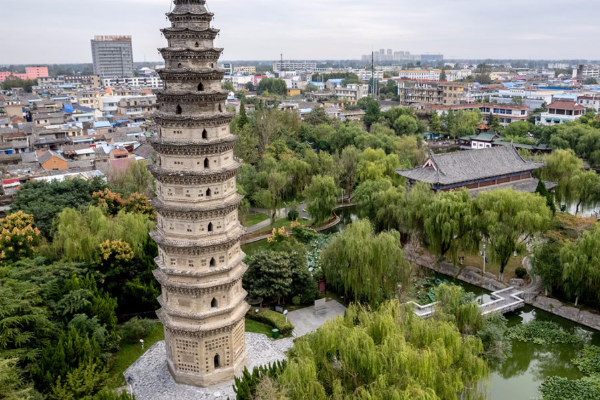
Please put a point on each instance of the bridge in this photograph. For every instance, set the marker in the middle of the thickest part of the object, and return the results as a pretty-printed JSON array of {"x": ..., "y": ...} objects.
[{"x": 503, "y": 301}]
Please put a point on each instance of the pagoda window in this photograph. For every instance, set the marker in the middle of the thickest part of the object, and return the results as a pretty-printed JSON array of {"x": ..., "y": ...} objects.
[
  {"x": 197, "y": 44},
  {"x": 213, "y": 263},
  {"x": 220, "y": 108},
  {"x": 207, "y": 192},
  {"x": 217, "y": 364},
  {"x": 210, "y": 227},
  {"x": 206, "y": 163},
  {"x": 213, "y": 303},
  {"x": 179, "y": 65},
  {"x": 178, "y": 110},
  {"x": 204, "y": 134},
  {"x": 200, "y": 87}
]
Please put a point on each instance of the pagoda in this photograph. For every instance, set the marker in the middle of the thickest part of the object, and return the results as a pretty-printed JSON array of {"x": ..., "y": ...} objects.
[{"x": 200, "y": 263}]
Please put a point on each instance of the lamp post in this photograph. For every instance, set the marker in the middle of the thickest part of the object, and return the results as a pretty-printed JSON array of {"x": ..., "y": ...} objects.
[{"x": 484, "y": 246}]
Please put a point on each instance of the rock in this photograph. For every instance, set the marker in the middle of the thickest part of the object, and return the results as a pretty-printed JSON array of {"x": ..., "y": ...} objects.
[
  {"x": 490, "y": 276},
  {"x": 516, "y": 282}
]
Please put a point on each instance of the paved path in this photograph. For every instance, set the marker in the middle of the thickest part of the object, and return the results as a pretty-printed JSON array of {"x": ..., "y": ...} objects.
[
  {"x": 307, "y": 320},
  {"x": 259, "y": 226},
  {"x": 504, "y": 301}
]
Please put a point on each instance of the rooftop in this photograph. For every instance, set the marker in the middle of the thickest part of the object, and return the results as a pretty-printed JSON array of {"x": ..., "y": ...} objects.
[{"x": 471, "y": 165}]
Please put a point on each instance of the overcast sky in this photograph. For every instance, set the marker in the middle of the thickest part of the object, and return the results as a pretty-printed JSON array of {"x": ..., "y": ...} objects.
[{"x": 59, "y": 31}]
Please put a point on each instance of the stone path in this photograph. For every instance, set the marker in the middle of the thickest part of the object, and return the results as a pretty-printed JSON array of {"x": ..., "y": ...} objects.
[
  {"x": 151, "y": 379},
  {"x": 259, "y": 226},
  {"x": 307, "y": 320},
  {"x": 504, "y": 301}
]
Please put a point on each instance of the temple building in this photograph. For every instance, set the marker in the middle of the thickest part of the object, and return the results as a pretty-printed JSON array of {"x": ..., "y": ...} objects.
[
  {"x": 478, "y": 170},
  {"x": 200, "y": 263}
]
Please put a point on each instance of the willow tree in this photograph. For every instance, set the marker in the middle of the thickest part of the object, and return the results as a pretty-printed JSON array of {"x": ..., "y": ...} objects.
[
  {"x": 365, "y": 266},
  {"x": 450, "y": 223},
  {"x": 418, "y": 199},
  {"x": 581, "y": 265},
  {"x": 385, "y": 354},
  {"x": 507, "y": 219},
  {"x": 561, "y": 165},
  {"x": 585, "y": 188},
  {"x": 322, "y": 196}
]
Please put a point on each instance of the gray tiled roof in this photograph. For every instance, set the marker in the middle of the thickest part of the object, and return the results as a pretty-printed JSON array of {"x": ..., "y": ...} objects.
[
  {"x": 48, "y": 155},
  {"x": 471, "y": 165}
]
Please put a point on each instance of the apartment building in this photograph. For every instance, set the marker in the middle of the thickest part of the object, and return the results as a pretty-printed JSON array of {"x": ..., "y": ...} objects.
[
  {"x": 352, "y": 92},
  {"x": 505, "y": 113},
  {"x": 245, "y": 70},
  {"x": 561, "y": 111},
  {"x": 136, "y": 106},
  {"x": 421, "y": 74},
  {"x": 590, "y": 101},
  {"x": 431, "y": 92},
  {"x": 301, "y": 66},
  {"x": 144, "y": 82},
  {"x": 112, "y": 56}
]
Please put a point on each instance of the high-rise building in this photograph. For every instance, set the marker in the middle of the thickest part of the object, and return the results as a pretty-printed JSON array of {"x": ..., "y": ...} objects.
[
  {"x": 112, "y": 56},
  {"x": 200, "y": 262}
]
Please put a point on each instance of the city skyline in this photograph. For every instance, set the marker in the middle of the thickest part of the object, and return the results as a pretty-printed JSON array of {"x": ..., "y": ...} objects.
[{"x": 317, "y": 31}]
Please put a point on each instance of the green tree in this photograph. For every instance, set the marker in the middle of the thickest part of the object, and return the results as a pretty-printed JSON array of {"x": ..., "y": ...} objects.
[
  {"x": 585, "y": 188},
  {"x": 516, "y": 129},
  {"x": 12, "y": 386},
  {"x": 322, "y": 195},
  {"x": 387, "y": 353},
  {"x": 365, "y": 266},
  {"x": 581, "y": 261},
  {"x": 494, "y": 123},
  {"x": 590, "y": 81},
  {"x": 443, "y": 76},
  {"x": 372, "y": 113},
  {"x": 272, "y": 86},
  {"x": 24, "y": 322},
  {"x": 80, "y": 383},
  {"x": 243, "y": 118},
  {"x": 317, "y": 116},
  {"x": 309, "y": 88},
  {"x": 365, "y": 194},
  {"x": 450, "y": 223},
  {"x": 269, "y": 275},
  {"x": 561, "y": 165},
  {"x": 435, "y": 124},
  {"x": 135, "y": 179},
  {"x": 508, "y": 218},
  {"x": 46, "y": 200},
  {"x": 228, "y": 86},
  {"x": 542, "y": 191}
]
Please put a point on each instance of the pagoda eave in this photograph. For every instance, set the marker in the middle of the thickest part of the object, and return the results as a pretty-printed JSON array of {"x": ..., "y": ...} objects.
[
  {"x": 185, "y": 212},
  {"x": 194, "y": 148},
  {"x": 191, "y": 97},
  {"x": 189, "y": 121},
  {"x": 182, "y": 244}
]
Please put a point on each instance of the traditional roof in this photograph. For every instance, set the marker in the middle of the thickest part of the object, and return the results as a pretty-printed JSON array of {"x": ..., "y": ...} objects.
[
  {"x": 483, "y": 127},
  {"x": 468, "y": 166}
]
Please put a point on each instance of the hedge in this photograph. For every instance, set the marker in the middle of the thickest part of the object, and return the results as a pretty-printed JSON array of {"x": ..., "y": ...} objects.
[{"x": 274, "y": 319}]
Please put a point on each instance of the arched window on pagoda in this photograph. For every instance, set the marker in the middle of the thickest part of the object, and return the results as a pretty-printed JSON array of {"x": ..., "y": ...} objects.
[
  {"x": 179, "y": 65},
  {"x": 197, "y": 44},
  {"x": 200, "y": 87},
  {"x": 208, "y": 192},
  {"x": 210, "y": 227},
  {"x": 204, "y": 134},
  {"x": 213, "y": 303},
  {"x": 206, "y": 163},
  {"x": 213, "y": 263},
  {"x": 178, "y": 110}
]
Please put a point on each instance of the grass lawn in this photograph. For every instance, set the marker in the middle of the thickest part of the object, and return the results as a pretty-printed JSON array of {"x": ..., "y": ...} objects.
[
  {"x": 258, "y": 327},
  {"x": 128, "y": 354},
  {"x": 493, "y": 267},
  {"x": 254, "y": 219}
]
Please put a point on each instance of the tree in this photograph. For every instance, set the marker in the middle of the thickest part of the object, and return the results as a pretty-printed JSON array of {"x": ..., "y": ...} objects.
[
  {"x": 435, "y": 124},
  {"x": 11, "y": 381},
  {"x": 590, "y": 81},
  {"x": 24, "y": 322},
  {"x": 269, "y": 274},
  {"x": 272, "y": 86},
  {"x": 406, "y": 125},
  {"x": 135, "y": 179},
  {"x": 322, "y": 195},
  {"x": 317, "y": 116},
  {"x": 561, "y": 165},
  {"x": 443, "y": 76},
  {"x": 365, "y": 266},
  {"x": 243, "y": 118},
  {"x": 365, "y": 194},
  {"x": 80, "y": 383},
  {"x": 46, "y": 200},
  {"x": 450, "y": 223},
  {"x": 372, "y": 113},
  {"x": 581, "y": 265},
  {"x": 228, "y": 86},
  {"x": 517, "y": 100},
  {"x": 494, "y": 123},
  {"x": 387, "y": 353},
  {"x": 586, "y": 188},
  {"x": 250, "y": 87},
  {"x": 309, "y": 88},
  {"x": 508, "y": 218},
  {"x": 518, "y": 129},
  {"x": 542, "y": 191},
  {"x": 18, "y": 238}
]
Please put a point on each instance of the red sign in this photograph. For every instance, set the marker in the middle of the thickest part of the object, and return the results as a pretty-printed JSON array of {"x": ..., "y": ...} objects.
[{"x": 322, "y": 286}]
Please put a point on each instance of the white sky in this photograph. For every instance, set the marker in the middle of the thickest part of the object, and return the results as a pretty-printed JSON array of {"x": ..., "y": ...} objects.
[{"x": 59, "y": 31}]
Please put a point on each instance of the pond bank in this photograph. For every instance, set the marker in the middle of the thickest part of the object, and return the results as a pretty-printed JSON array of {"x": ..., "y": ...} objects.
[{"x": 474, "y": 276}]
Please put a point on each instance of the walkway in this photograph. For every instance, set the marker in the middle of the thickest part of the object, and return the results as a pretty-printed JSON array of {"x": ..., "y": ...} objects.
[
  {"x": 306, "y": 320},
  {"x": 259, "y": 226},
  {"x": 505, "y": 300}
]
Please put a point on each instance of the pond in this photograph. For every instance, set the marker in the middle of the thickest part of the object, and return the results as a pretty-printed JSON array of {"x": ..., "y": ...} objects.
[{"x": 520, "y": 376}]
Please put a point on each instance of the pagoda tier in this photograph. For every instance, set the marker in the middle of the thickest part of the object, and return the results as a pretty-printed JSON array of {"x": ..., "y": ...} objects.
[{"x": 200, "y": 263}]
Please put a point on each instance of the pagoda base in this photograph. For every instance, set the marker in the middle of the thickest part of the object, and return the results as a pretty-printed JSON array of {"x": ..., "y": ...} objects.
[
  {"x": 207, "y": 380},
  {"x": 150, "y": 377}
]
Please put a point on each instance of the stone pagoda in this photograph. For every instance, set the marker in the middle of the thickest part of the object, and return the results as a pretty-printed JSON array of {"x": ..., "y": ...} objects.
[{"x": 198, "y": 234}]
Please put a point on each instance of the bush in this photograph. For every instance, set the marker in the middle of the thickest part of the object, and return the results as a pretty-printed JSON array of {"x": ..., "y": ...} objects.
[
  {"x": 273, "y": 319},
  {"x": 520, "y": 272},
  {"x": 296, "y": 300},
  {"x": 305, "y": 235},
  {"x": 293, "y": 215},
  {"x": 136, "y": 329}
]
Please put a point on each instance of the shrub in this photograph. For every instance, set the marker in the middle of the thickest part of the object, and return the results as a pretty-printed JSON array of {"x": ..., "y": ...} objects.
[
  {"x": 305, "y": 235},
  {"x": 520, "y": 272},
  {"x": 588, "y": 361},
  {"x": 293, "y": 215},
  {"x": 296, "y": 300},
  {"x": 274, "y": 319},
  {"x": 542, "y": 332},
  {"x": 136, "y": 329}
]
